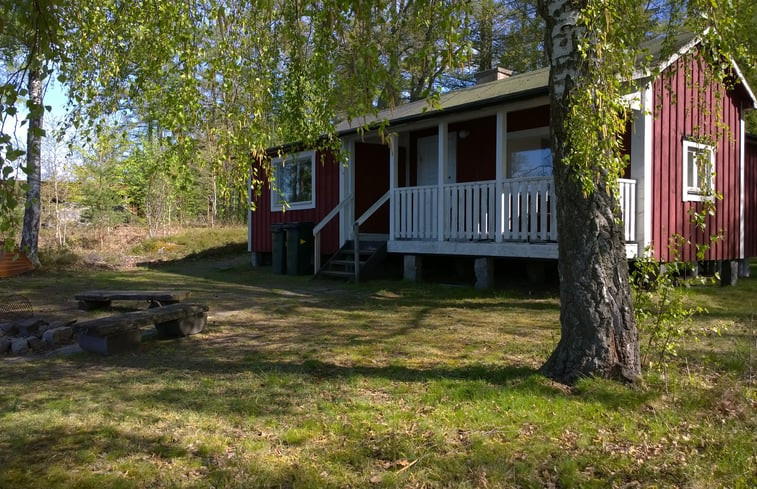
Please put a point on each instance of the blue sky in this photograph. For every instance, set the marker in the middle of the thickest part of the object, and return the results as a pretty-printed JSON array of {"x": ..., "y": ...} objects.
[{"x": 55, "y": 97}]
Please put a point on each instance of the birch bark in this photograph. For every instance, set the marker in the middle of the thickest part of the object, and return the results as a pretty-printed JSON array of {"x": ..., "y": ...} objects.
[
  {"x": 598, "y": 330},
  {"x": 30, "y": 230}
]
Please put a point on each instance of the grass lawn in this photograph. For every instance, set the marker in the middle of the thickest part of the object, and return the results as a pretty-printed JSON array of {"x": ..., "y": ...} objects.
[{"x": 302, "y": 383}]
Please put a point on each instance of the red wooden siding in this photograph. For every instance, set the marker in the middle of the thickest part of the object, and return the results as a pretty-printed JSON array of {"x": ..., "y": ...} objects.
[
  {"x": 686, "y": 104},
  {"x": 326, "y": 197},
  {"x": 476, "y": 152},
  {"x": 750, "y": 198},
  {"x": 520, "y": 120},
  {"x": 372, "y": 182}
]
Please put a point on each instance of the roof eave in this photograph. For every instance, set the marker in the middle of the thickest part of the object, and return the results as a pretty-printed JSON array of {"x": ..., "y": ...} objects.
[{"x": 510, "y": 97}]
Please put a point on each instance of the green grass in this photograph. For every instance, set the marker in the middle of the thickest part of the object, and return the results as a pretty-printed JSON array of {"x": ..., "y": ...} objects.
[{"x": 299, "y": 383}]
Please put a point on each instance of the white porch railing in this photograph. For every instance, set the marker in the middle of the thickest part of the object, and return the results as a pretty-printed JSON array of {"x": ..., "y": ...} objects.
[
  {"x": 628, "y": 208},
  {"x": 514, "y": 210}
]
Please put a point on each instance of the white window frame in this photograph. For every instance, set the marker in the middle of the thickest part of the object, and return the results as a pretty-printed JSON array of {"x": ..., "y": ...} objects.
[
  {"x": 276, "y": 165},
  {"x": 696, "y": 194}
]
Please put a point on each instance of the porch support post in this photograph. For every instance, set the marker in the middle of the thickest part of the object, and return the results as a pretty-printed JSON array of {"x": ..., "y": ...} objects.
[
  {"x": 443, "y": 145},
  {"x": 483, "y": 267},
  {"x": 500, "y": 162},
  {"x": 346, "y": 187},
  {"x": 393, "y": 169}
]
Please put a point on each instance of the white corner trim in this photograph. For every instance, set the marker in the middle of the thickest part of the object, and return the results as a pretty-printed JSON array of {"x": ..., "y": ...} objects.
[
  {"x": 648, "y": 107},
  {"x": 742, "y": 182},
  {"x": 249, "y": 213}
]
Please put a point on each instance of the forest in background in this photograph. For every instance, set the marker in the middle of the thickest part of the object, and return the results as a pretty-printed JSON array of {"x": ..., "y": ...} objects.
[{"x": 132, "y": 167}]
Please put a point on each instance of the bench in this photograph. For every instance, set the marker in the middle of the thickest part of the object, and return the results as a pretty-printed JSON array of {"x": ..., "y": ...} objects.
[
  {"x": 121, "y": 332},
  {"x": 97, "y": 299}
]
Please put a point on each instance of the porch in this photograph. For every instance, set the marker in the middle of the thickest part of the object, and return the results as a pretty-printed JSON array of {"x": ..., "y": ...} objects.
[
  {"x": 509, "y": 218},
  {"x": 478, "y": 185}
]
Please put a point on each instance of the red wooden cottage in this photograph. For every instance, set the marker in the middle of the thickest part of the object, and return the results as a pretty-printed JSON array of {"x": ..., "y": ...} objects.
[{"x": 473, "y": 176}]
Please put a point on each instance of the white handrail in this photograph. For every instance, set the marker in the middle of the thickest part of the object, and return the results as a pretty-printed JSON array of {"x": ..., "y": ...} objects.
[
  {"x": 376, "y": 205},
  {"x": 319, "y": 227},
  {"x": 356, "y": 230},
  {"x": 322, "y": 224}
]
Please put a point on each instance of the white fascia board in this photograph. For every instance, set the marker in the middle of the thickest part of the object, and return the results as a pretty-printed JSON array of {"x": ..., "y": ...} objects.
[
  {"x": 632, "y": 100},
  {"x": 744, "y": 83},
  {"x": 662, "y": 66}
]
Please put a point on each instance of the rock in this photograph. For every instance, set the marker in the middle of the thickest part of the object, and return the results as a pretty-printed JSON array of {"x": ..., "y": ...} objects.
[
  {"x": 58, "y": 323},
  {"x": 5, "y": 345},
  {"x": 29, "y": 327},
  {"x": 19, "y": 346},
  {"x": 8, "y": 329},
  {"x": 58, "y": 336},
  {"x": 35, "y": 343},
  {"x": 42, "y": 329}
]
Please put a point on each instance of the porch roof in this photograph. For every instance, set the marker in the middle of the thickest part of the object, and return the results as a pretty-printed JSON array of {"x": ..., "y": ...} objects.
[{"x": 526, "y": 85}]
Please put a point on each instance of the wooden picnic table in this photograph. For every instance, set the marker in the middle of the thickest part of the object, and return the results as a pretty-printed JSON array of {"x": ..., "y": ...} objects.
[{"x": 96, "y": 299}]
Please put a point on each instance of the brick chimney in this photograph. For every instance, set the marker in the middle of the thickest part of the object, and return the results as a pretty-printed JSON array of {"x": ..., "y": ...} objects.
[{"x": 493, "y": 74}]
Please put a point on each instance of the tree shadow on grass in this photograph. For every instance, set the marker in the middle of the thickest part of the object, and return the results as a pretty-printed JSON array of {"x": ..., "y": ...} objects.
[{"x": 228, "y": 250}]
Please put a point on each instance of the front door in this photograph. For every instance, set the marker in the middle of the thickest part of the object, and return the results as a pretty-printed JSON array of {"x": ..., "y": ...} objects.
[{"x": 428, "y": 160}]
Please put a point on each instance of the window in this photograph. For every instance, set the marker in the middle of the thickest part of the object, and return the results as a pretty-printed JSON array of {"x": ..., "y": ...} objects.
[
  {"x": 293, "y": 182},
  {"x": 529, "y": 153},
  {"x": 698, "y": 171}
]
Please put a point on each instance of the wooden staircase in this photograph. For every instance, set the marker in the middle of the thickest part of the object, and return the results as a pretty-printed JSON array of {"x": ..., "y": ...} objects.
[{"x": 342, "y": 264}]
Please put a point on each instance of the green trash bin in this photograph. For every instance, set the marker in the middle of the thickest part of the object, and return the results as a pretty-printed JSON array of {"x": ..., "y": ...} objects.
[
  {"x": 299, "y": 248},
  {"x": 279, "y": 255}
]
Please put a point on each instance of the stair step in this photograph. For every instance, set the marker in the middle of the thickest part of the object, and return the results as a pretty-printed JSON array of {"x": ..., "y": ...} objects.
[
  {"x": 346, "y": 262},
  {"x": 342, "y": 264},
  {"x": 362, "y": 252},
  {"x": 336, "y": 273}
]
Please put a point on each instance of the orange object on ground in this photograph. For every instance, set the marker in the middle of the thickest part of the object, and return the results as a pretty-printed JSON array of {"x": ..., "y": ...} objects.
[{"x": 14, "y": 263}]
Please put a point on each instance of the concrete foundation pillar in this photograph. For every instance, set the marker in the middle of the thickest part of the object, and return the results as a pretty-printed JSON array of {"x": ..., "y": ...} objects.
[
  {"x": 729, "y": 272},
  {"x": 484, "y": 270},
  {"x": 256, "y": 259},
  {"x": 744, "y": 271},
  {"x": 413, "y": 268}
]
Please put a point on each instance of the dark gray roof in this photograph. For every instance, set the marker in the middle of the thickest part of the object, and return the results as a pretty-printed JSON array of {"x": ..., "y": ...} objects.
[{"x": 515, "y": 87}]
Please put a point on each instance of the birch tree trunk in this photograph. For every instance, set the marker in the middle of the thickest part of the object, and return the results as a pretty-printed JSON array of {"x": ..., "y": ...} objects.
[
  {"x": 598, "y": 331},
  {"x": 30, "y": 231}
]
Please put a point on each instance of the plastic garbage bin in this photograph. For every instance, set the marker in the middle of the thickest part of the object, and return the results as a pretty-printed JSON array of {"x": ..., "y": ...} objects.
[
  {"x": 299, "y": 248},
  {"x": 279, "y": 256}
]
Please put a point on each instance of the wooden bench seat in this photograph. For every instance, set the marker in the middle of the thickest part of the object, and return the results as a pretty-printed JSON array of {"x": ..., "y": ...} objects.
[
  {"x": 121, "y": 332},
  {"x": 96, "y": 299}
]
